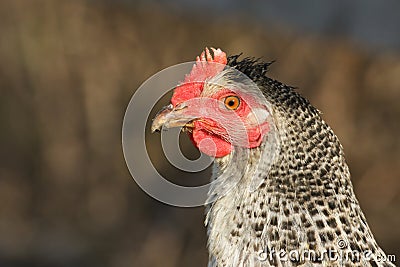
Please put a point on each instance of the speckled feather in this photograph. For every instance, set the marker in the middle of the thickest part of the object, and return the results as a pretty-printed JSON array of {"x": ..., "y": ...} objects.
[{"x": 305, "y": 200}]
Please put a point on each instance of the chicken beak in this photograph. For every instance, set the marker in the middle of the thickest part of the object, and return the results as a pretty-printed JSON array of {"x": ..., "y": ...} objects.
[{"x": 170, "y": 117}]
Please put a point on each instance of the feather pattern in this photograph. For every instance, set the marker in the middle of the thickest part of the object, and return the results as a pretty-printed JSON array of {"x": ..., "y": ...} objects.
[{"x": 292, "y": 193}]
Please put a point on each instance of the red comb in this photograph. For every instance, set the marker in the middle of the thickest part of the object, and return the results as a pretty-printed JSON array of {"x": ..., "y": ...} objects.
[{"x": 193, "y": 83}]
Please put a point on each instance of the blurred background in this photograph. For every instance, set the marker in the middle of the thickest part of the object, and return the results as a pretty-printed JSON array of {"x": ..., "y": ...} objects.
[{"x": 69, "y": 68}]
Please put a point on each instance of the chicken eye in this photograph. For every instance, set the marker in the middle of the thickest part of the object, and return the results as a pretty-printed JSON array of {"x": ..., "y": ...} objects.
[{"x": 232, "y": 102}]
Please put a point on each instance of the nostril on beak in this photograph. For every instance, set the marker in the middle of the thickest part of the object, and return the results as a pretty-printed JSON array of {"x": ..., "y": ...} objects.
[
  {"x": 169, "y": 107},
  {"x": 171, "y": 116},
  {"x": 180, "y": 106}
]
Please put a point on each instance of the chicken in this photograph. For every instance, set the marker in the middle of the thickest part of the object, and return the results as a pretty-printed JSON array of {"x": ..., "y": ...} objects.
[{"x": 284, "y": 196}]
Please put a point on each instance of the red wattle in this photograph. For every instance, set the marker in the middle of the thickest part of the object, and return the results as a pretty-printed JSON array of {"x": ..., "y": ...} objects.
[{"x": 210, "y": 144}]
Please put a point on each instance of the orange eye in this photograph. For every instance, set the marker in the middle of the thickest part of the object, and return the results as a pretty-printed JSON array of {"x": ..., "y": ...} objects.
[{"x": 232, "y": 102}]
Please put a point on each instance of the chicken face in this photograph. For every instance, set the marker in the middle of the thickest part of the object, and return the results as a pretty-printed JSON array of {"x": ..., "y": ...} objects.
[{"x": 218, "y": 107}]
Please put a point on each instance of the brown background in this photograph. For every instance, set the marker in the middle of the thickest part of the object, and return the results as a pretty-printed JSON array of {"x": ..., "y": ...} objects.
[{"x": 67, "y": 72}]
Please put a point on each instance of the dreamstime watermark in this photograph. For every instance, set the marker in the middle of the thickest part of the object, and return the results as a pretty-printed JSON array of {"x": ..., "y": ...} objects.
[
  {"x": 342, "y": 254},
  {"x": 134, "y": 139}
]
